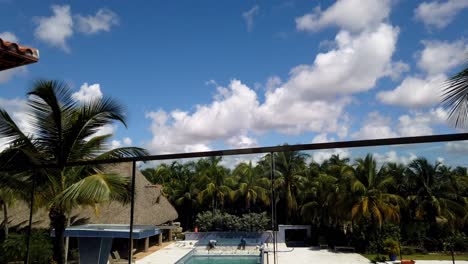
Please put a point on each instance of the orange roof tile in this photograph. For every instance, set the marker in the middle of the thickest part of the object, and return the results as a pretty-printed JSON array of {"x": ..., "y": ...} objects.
[{"x": 14, "y": 55}]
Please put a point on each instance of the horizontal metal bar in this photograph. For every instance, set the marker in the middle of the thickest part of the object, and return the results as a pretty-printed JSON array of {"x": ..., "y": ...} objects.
[
  {"x": 281, "y": 148},
  {"x": 285, "y": 148}
]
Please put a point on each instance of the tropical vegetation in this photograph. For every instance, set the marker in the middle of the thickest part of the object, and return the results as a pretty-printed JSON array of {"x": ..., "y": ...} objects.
[
  {"x": 61, "y": 130},
  {"x": 362, "y": 203}
]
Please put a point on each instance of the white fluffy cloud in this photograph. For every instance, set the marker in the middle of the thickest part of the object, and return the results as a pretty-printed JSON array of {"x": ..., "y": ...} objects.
[
  {"x": 249, "y": 16},
  {"x": 442, "y": 56},
  {"x": 102, "y": 21},
  {"x": 457, "y": 147},
  {"x": 392, "y": 156},
  {"x": 88, "y": 93},
  {"x": 439, "y": 14},
  {"x": 354, "y": 66},
  {"x": 352, "y": 15},
  {"x": 435, "y": 60},
  {"x": 242, "y": 141},
  {"x": 56, "y": 29},
  {"x": 312, "y": 99},
  {"x": 229, "y": 114},
  {"x": 416, "y": 123},
  {"x": 9, "y": 36},
  {"x": 415, "y": 92},
  {"x": 375, "y": 126},
  {"x": 320, "y": 156}
]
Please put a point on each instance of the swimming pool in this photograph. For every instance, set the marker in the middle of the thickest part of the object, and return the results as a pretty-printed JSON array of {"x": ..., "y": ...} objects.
[{"x": 222, "y": 260}]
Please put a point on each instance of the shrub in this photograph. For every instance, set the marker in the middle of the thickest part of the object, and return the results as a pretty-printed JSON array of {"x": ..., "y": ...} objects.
[
  {"x": 252, "y": 222},
  {"x": 379, "y": 258},
  {"x": 391, "y": 247},
  {"x": 14, "y": 248}
]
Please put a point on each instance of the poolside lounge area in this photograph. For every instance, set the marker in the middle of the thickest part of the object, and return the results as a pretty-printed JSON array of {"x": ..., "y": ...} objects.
[{"x": 299, "y": 255}]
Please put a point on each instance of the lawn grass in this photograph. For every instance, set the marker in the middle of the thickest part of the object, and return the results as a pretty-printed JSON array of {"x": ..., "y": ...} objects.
[{"x": 431, "y": 256}]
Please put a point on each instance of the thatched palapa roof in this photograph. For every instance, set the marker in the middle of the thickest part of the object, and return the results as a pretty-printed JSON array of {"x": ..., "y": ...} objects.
[{"x": 151, "y": 207}]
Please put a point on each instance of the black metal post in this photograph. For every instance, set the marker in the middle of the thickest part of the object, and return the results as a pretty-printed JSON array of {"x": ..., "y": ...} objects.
[
  {"x": 132, "y": 212},
  {"x": 273, "y": 204},
  {"x": 28, "y": 245}
]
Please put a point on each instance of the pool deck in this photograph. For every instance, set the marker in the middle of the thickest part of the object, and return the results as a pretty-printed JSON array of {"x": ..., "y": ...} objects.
[
  {"x": 170, "y": 254},
  {"x": 300, "y": 255}
]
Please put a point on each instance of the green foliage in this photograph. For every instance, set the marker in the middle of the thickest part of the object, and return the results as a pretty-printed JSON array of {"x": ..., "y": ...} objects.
[
  {"x": 379, "y": 258},
  {"x": 252, "y": 222},
  {"x": 14, "y": 248},
  {"x": 391, "y": 247}
]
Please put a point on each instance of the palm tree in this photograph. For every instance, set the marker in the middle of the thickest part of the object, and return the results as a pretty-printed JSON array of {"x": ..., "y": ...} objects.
[
  {"x": 369, "y": 188},
  {"x": 455, "y": 98},
  {"x": 211, "y": 180},
  {"x": 180, "y": 189},
  {"x": 435, "y": 195},
  {"x": 251, "y": 186},
  {"x": 63, "y": 131},
  {"x": 290, "y": 169}
]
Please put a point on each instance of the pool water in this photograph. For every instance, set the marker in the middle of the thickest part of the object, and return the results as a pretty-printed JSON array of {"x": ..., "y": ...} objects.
[{"x": 223, "y": 260}]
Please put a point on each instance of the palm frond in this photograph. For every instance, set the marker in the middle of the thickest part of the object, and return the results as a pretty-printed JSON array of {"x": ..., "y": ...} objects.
[
  {"x": 455, "y": 98},
  {"x": 94, "y": 189}
]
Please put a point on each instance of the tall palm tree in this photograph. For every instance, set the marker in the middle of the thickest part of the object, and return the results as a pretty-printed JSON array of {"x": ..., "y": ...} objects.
[
  {"x": 455, "y": 98},
  {"x": 434, "y": 193},
  {"x": 181, "y": 191},
  {"x": 251, "y": 186},
  {"x": 212, "y": 183},
  {"x": 290, "y": 169},
  {"x": 62, "y": 130},
  {"x": 369, "y": 188}
]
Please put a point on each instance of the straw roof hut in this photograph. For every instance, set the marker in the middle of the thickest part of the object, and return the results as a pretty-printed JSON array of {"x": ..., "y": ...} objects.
[{"x": 151, "y": 207}]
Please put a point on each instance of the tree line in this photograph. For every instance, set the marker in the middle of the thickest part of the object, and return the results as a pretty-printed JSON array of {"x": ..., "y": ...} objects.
[{"x": 353, "y": 202}]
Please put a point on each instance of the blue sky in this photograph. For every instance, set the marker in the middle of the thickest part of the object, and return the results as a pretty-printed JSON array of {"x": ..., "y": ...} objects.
[{"x": 203, "y": 75}]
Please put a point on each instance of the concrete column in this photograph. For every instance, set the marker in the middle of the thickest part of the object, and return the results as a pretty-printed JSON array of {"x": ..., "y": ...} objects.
[
  {"x": 160, "y": 239},
  {"x": 146, "y": 245},
  {"x": 169, "y": 234}
]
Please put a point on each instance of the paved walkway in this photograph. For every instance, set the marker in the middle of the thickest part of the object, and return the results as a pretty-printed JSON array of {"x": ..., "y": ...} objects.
[
  {"x": 301, "y": 255},
  {"x": 169, "y": 254}
]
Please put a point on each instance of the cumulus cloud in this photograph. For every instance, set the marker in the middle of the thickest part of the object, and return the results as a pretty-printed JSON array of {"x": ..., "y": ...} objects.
[
  {"x": 435, "y": 60},
  {"x": 320, "y": 156},
  {"x": 457, "y": 147},
  {"x": 313, "y": 98},
  {"x": 393, "y": 157},
  {"x": 56, "y": 29},
  {"x": 9, "y": 36},
  {"x": 439, "y": 14},
  {"x": 7, "y": 75},
  {"x": 441, "y": 56},
  {"x": 103, "y": 20},
  {"x": 354, "y": 66},
  {"x": 88, "y": 93},
  {"x": 127, "y": 141},
  {"x": 249, "y": 16},
  {"x": 415, "y": 92},
  {"x": 229, "y": 113},
  {"x": 241, "y": 141},
  {"x": 375, "y": 126},
  {"x": 352, "y": 15},
  {"x": 416, "y": 123}
]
